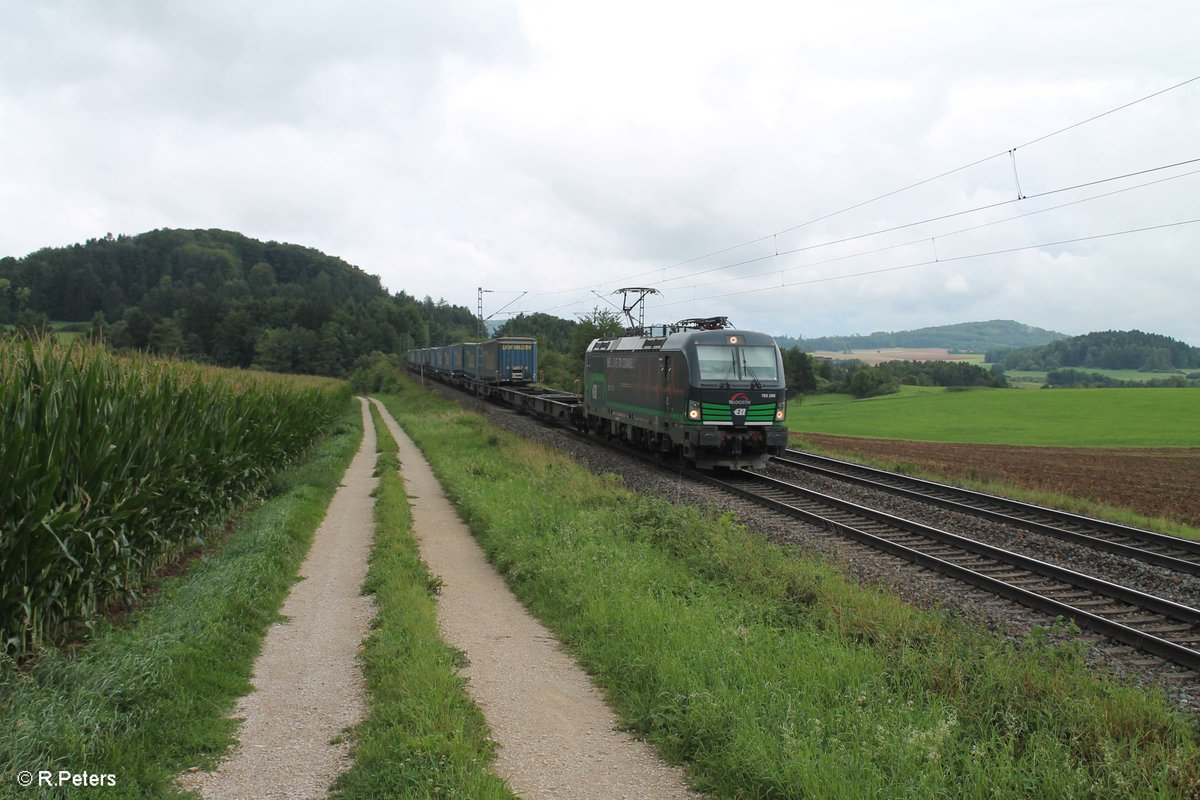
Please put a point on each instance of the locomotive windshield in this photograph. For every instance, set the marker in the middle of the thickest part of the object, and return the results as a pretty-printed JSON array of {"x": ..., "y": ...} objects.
[{"x": 745, "y": 363}]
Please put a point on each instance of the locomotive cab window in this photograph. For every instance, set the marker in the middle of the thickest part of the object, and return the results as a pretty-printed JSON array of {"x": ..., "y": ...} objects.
[
  {"x": 758, "y": 363},
  {"x": 717, "y": 363},
  {"x": 745, "y": 363}
]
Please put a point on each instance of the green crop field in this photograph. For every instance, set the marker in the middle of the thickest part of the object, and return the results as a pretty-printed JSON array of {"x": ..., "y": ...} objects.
[
  {"x": 1059, "y": 417},
  {"x": 113, "y": 465}
]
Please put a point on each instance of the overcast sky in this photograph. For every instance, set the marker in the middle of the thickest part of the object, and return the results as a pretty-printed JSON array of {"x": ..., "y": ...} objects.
[{"x": 566, "y": 148}]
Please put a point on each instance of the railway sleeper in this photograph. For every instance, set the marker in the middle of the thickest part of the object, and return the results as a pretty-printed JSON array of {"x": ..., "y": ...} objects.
[
  {"x": 1168, "y": 627},
  {"x": 1071, "y": 596},
  {"x": 1096, "y": 604},
  {"x": 976, "y": 563},
  {"x": 1032, "y": 581},
  {"x": 1140, "y": 619},
  {"x": 1001, "y": 572}
]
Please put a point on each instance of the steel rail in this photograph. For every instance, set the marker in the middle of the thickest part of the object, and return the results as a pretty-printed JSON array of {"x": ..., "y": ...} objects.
[
  {"x": 1119, "y": 631},
  {"x": 943, "y": 495}
]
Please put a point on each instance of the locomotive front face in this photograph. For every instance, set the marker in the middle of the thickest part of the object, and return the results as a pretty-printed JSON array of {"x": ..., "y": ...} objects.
[
  {"x": 716, "y": 398},
  {"x": 736, "y": 380}
]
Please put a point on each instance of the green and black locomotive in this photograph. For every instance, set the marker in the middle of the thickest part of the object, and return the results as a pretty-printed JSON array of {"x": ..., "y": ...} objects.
[{"x": 712, "y": 395}]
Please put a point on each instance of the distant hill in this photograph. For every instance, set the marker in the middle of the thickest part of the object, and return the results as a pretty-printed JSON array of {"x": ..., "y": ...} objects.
[
  {"x": 224, "y": 298},
  {"x": 1105, "y": 350},
  {"x": 967, "y": 337}
]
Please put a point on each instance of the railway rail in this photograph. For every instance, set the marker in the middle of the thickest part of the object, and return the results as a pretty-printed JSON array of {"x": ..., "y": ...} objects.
[
  {"x": 1182, "y": 555},
  {"x": 1151, "y": 624},
  {"x": 1154, "y": 625}
]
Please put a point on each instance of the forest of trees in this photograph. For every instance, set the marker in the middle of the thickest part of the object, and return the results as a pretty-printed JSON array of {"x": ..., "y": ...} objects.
[
  {"x": 1070, "y": 378},
  {"x": 861, "y": 380},
  {"x": 965, "y": 337},
  {"x": 224, "y": 298},
  {"x": 1149, "y": 352}
]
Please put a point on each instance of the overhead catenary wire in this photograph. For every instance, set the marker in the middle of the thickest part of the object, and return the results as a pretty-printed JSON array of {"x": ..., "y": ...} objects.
[
  {"x": 929, "y": 262},
  {"x": 962, "y": 213},
  {"x": 1006, "y": 152},
  {"x": 892, "y": 229},
  {"x": 946, "y": 235},
  {"x": 939, "y": 218},
  {"x": 1106, "y": 113}
]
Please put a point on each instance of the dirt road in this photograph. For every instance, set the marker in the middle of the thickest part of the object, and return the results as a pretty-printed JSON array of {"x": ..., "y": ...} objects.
[
  {"x": 308, "y": 684},
  {"x": 557, "y": 737}
]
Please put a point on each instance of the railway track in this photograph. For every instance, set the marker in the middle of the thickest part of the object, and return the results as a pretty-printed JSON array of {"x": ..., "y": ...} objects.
[
  {"x": 1182, "y": 555},
  {"x": 1151, "y": 624}
]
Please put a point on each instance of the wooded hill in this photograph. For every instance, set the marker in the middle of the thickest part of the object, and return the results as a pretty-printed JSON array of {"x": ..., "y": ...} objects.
[
  {"x": 964, "y": 337},
  {"x": 224, "y": 298},
  {"x": 1149, "y": 352}
]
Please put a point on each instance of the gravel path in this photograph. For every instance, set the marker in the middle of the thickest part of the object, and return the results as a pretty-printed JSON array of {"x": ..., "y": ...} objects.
[
  {"x": 557, "y": 737},
  {"x": 308, "y": 684}
]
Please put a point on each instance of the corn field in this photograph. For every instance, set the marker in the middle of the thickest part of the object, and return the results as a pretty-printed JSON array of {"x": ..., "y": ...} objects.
[{"x": 110, "y": 466}]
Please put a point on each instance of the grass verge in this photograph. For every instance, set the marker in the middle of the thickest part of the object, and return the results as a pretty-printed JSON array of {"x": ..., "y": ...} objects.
[
  {"x": 148, "y": 700},
  {"x": 423, "y": 737},
  {"x": 772, "y": 676}
]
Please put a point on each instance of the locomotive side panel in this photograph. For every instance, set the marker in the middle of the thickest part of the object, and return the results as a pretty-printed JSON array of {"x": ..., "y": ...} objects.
[{"x": 627, "y": 385}]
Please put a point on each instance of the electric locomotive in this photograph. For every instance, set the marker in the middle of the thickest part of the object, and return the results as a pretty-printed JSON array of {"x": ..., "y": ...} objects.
[{"x": 712, "y": 395}]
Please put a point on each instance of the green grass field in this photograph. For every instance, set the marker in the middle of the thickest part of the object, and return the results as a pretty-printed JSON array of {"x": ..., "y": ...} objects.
[{"x": 1061, "y": 417}]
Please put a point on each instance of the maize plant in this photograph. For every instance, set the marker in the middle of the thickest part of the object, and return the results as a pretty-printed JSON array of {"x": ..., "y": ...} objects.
[{"x": 110, "y": 466}]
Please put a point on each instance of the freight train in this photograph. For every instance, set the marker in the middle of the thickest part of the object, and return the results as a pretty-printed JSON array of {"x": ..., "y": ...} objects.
[
  {"x": 711, "y": 395},
  {"x": 509, "y": 360}
]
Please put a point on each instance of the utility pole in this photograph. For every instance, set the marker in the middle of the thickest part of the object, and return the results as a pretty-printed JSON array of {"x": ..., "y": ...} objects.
[
  {"x": 483, "y": 332},
  {"x": 482, "y": 325}
]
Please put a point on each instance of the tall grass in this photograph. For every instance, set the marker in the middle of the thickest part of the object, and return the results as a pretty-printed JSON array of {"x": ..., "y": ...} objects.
[{"x": 110, "y": 466}]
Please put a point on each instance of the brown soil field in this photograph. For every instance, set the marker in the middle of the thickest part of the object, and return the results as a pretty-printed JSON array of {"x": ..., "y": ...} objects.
[
  {"x": 1157, "y": 482},
  {"x": 878, "y": 356}
]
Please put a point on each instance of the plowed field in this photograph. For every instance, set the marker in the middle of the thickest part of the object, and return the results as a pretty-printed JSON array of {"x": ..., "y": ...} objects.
[
  {"x": 873, "y": 356},
  {"x": 1157, "y": 482}
]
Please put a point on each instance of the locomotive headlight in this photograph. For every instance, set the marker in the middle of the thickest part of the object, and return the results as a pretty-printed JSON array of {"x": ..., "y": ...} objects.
[
  {"x": 780, "y": 412},
  {"x": 693, "y": 409}
]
